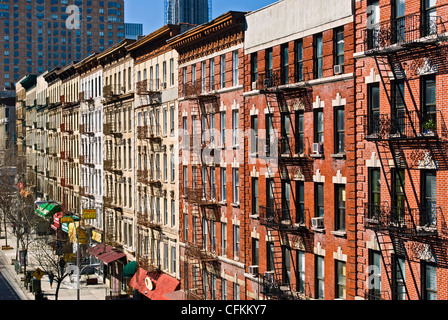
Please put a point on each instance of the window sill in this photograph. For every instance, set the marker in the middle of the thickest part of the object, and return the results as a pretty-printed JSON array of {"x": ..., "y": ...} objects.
[
  {"x": 253, "y": 155},
  {"x": 336, "y": 233},
  {"x": 317, "y": 156},
  {"x": 235, "y": 205},
  {"x": 320, "y": 230},
  {"x": 223, "y": 203},
  {"x": 254, "y": 216},
  {"x": 338, "y": 155}
]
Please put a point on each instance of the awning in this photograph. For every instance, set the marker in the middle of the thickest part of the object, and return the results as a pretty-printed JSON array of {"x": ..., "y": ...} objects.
[
  {"x": 105, "y": 253},
  {"x": 153, "y": 285},
  {"x": 175, "y": 295},
  {"x": 129, "y": 269},
  {"x": 46, "y": 210}
]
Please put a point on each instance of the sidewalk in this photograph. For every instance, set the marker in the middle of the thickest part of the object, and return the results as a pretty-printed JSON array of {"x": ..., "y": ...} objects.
[{"x": 67, "y": 290}]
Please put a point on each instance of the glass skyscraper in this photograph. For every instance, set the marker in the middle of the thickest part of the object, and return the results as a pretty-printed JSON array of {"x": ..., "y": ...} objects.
[{"x": 188, "y": 11}]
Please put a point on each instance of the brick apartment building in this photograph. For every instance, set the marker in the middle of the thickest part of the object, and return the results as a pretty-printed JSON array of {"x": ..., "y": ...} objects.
[
  {"x": 299, "y": 103},
  {"x": 312, "y": 151},
  {"x": 41, "y": 35},
  {"x": 401, "y": 149},
  {"x": 211, "y": 209}
]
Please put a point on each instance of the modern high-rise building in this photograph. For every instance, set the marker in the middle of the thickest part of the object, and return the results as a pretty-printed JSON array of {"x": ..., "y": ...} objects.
[
  {"x": 133, "y": 30},
  {"x": 39, "y": 35},
  {"x": 188, "y": 11}
]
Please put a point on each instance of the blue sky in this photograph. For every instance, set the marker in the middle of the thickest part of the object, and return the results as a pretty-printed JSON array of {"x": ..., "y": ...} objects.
[{"x": 150, "y": 12}]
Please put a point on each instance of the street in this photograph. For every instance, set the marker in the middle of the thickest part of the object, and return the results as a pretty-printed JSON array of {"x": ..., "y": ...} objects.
[{"x": 8, "y": 288}]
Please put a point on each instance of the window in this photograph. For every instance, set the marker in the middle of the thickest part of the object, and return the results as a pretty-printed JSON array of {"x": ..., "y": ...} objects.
[
  {"x": 223, "y": 238},
  {"x": 235, "y": 127},
  {"x": 398, "y": 278},
  {"x": 319, "y": 126},
  {"x": 428, "y": 95},
  {"x": 284, "y": 64},
  {"x": 299, "y": 60},
  {"x": 212, "y": 74},
  {"x": 339, "y": 130},
  {"x": 429, "y": 281},
  {"x": 254, "y": 134},
  {"x": 374, "y": 276},
  {"x": 172, "y": 72},
  {"x": 398, "y": 112},
  {"x": 269, "y": 64},
  {"x": 398, "y": 196},
  {"x": 203, "y": 76},
  {"x": 373, "y": 106},
  {"x": 318, "y": 56},
  {"x": 269, "y": 256},
  {"x": 223, "y": 184},
  {"x": 223, "y": 128},
  {"x": 285, "y": 126},
  {"x": 255, "y": 196},
  {"x": 300, "y": 204},
  {"x": 320, "y": 278},
  {"x": 255, "y": 252},
  {"x": 374, "y": 192},
  {"x": 373, "y": 23},
  {"x": 212, "y": 183},
  {"x": 224, "y": 289},
  {"x": 269, "y": 133},
  {"x": 398, "y": 25},
  {"x": 286, "y": 199},
  {"x": 429, "y": 191},
  {"x": 300, "y": 271},
  {"x": 236, "y": 185},
  {"x": 286, "y": 263},
  {"x": 340, "y": 207},
  {"x": 236, "y": 241},
  {"x": 222, "y": 73},
  {"x": 339, "y": 46},
  {"x": 235, "y": 65},
  {"x": 319, "y": 199},
  {"x": 340, "y": 280},
  {"x": 254, "y": 68},
  {"x": 429, "y": 17},
  {"x": 300, "y": 134}
]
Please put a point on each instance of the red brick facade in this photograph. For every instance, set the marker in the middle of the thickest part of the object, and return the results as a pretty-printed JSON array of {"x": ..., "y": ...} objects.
[{"x": 406, "y": 227}]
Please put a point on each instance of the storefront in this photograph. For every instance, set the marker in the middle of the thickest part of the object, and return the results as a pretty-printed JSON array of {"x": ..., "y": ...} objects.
[{"x": 112, "y": 261}]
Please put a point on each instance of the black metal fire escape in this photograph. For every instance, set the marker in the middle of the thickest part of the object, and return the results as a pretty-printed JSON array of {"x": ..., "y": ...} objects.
[
  {"x": 283, "y": 160},
  {"x": 401, "y": 137},
  {"x": 200, "y": 254}
]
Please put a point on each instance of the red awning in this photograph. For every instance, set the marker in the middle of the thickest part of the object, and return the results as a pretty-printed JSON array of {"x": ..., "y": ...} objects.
[
  {"x": 153, "y": 286},
  {"x": 105, "y": 253}
]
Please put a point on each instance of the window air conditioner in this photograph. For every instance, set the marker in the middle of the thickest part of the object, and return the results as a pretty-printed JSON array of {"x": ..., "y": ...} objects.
[
  {"x": 253, "y": 270},
  {"x": 318, "y": 148},
  {"x": 317, "y": 223},
  {"x": 339, "y": 69}
]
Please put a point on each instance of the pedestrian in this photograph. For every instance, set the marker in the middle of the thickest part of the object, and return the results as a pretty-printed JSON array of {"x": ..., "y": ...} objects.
[{"x": 51, "y": 278}]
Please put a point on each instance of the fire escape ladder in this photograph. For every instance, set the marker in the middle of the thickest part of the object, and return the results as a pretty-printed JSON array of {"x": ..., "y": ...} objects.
[{"x": 388, "y": 247}]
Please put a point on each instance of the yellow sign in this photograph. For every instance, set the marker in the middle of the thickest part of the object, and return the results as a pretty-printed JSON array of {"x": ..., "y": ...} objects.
[
  {"x": 89, "y": 214},
  {"x": 66, "y": 220},
  {"x": 82, "y": 235},
  {"x": 38, "y": 274},
  {"x": 96, "y": 236}
]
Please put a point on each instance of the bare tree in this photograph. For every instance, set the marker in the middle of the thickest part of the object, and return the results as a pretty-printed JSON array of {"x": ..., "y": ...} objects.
[{"x": 49, "y": 261}]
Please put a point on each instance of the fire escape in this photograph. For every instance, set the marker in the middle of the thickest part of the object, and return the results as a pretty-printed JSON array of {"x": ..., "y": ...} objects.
[
  {"x": 201, "y": 249},
  {"x": 111, "y": 162},
  {"x": 410, "y": 137},
  {"x": 285, "y": 161},
  {"x": 150, "y": 97}
]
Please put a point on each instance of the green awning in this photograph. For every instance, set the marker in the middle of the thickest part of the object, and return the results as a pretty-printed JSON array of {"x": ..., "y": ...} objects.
[
  {"x": 130, "y": 269},
  {"x": 41, "y": 208},
  {"x": 47, "y": 210}
]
